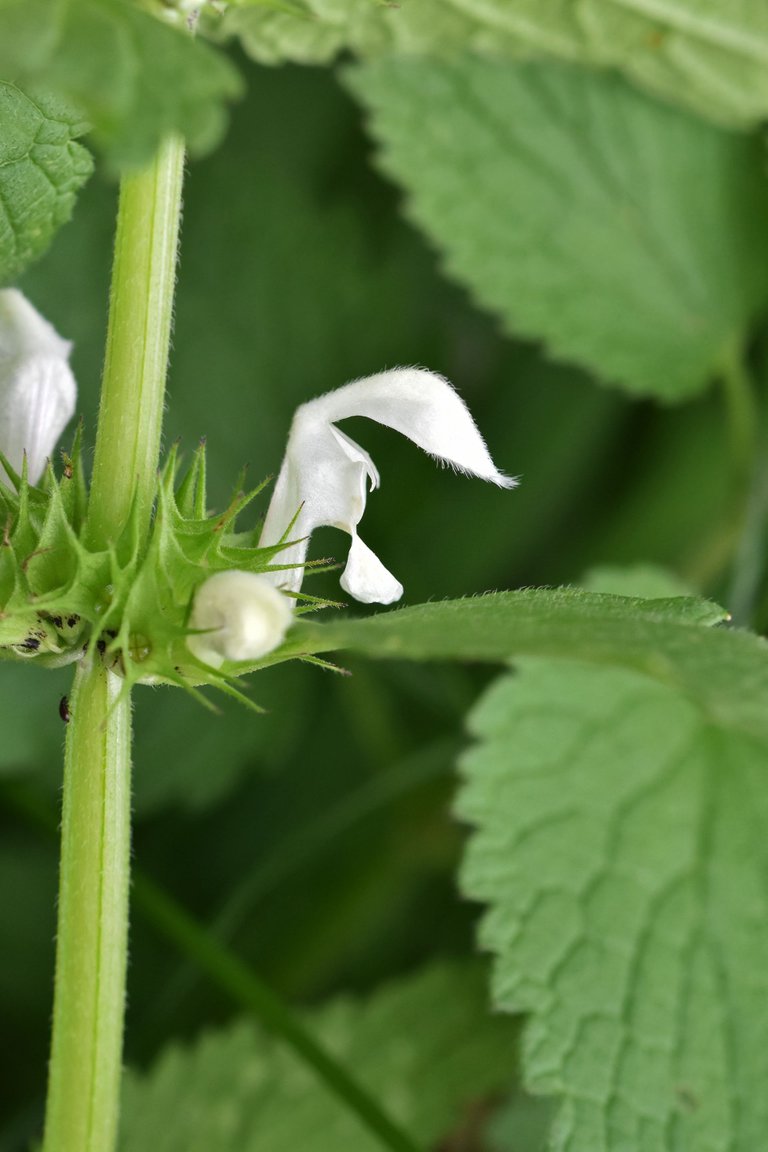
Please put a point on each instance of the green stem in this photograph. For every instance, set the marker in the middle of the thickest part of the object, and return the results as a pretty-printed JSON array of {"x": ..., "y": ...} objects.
[
  {"x": 749, "y": 489},
  {"x": 138, "y": 338},
  {"x": 82, "y": 1108},
  {"x": 89, "y": 1000},
  {"x": 237, "y": 979},
  {"x": 732, "y": 547},
  {"x": 749, "y": 558},
  {"x": 741, "y": 412}
]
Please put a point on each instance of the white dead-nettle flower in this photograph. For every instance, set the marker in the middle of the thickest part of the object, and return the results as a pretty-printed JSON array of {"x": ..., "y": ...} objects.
[
  {"x": 237, "y": 616},
  {"x": 37, "y": 388},
  {"x": 324, "y": 476}
]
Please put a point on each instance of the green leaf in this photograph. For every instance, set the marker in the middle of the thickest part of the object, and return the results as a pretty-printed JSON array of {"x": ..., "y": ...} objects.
[
  {"x": 316, "y": 31},
  {"x": 29, "y": 32},
  {"x": 134, "y": 77},
  {"x": 427, "y": 1048},
  {"x": 628, "y": 236},
  {"x": 620, "y": 843},
  {"x": 503, "y": 624},
  {"x": 724, "y": 670},
  {"x": 667, "y": 639},
  {"x": 708, "y": 56},
  {"x": 41, "y": 169}
]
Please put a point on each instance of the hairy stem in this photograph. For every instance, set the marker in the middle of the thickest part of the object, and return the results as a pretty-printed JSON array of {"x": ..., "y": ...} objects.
[
  {"x": 138, "y": 338},
  {"x": 86, "y": 1051},
  {"x": 82, "y": 1109}
]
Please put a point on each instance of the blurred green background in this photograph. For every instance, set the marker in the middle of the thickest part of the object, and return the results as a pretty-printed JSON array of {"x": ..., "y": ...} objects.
[{"x": 319, "y": 837}]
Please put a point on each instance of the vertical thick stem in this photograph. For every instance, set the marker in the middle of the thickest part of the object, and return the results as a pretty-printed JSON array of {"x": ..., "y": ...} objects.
[
  {"x": 82, "y": 1109},
  {"x": 89, "y": 1002},
  {"x": 138, "y": 338}
]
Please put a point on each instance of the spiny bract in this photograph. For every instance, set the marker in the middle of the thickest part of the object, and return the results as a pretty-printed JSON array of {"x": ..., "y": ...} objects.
[{"x": 129, "y": 603}]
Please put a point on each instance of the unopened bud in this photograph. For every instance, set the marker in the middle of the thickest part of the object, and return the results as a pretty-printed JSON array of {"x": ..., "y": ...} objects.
[{"x": 237, "y": 616}]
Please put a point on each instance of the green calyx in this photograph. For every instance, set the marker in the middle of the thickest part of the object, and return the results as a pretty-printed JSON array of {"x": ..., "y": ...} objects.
[{"x": 129, "y": 604}]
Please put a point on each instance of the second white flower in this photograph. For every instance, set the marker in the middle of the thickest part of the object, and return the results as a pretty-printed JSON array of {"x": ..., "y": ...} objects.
[
  {"x": 37, "y": 388},
  {"x": 325, "y": 475}
]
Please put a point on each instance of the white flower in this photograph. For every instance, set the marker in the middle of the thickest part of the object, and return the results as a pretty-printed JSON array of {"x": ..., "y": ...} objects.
[
  {"x": 239, "y": 615},
  {"x": 324, "y": 476},
  {"x": 37, "y": 388}
]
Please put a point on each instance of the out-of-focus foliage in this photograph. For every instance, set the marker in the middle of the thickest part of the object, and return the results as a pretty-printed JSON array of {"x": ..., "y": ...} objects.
[
  {"x": 632, "y": 238},
  {"x": 42, "y": 166},
  {"x": 520, "y": 1125},
  {"x": 646, "y": 580},
  {"x": 427, "y": 1048},
  {"x": 708, "y": 55},
  {"x": 134, "y": 77},
  {"x": 318, "y": 31}
]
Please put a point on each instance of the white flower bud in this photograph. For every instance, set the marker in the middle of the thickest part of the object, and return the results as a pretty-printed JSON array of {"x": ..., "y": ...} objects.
[
  {"x": 237, "y": 616},
  {"x": 37, "y": 388}
]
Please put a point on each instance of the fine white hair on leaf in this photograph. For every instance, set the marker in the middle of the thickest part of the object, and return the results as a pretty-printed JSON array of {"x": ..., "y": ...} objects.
[
  {"x": 37, "y": 388},
  {"x": 325, "y": 475}
]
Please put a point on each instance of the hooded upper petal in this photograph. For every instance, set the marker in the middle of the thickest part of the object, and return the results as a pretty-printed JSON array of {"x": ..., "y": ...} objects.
[
  {"x": 37, "y": 388},
  {"x": 325, "y": 475}
]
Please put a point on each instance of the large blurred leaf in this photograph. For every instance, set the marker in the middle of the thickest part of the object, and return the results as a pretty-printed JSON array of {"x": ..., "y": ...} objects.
[
  {"x": 41, "y": 169},
  {"x": 426, "y": 1049},
  {"x": 316, "y": 31},
  {"x": 630, "y": 237},
  {"x": 133, "y": 76},
  {"x": 709, "y": 56},
  {"x": 620, "y": 844}
]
